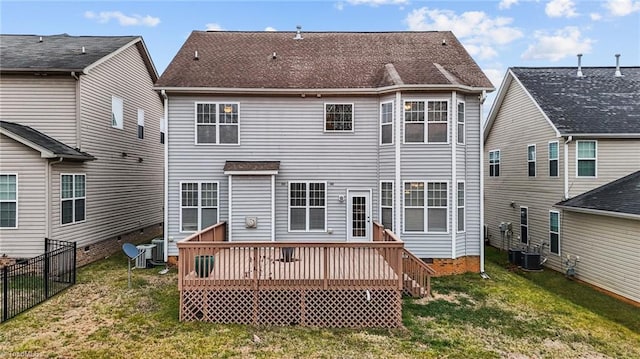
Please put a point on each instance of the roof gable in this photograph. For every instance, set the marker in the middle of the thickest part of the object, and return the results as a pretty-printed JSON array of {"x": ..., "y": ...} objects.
[{"x": 322, "y": 60}]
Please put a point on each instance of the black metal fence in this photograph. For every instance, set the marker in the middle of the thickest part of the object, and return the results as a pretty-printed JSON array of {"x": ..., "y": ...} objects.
[{"x": 31, "y": 282}]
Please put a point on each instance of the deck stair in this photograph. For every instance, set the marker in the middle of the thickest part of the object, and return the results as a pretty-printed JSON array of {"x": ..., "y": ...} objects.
[{"x": 417, "y": 276}]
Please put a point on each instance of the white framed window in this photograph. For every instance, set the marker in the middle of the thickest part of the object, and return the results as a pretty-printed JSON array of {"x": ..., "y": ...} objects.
[
  {"x": 531, "y": 160},
  {"x": 414, "y": 211},
  {"x": 217, "y": 123},
  {"x": 117, "y": 112},
  {"x": 461, "y": 206},
  {"x": 162, "y": 130},
  {"x": 8, "y": 200},
  {"x": 73, "y": 198},
  {"x": 338, "y": 117},
  {"x": 426, "y": 122},
  {"x": 524, "y": 225},
  {"x": 554, "y": 232},
  {"x": 553, "y": 159},
  {"x": 494, "y": 163},
  {"x": 461, "y": 121},
  {"x": 386, "y": 204},
  {"x": 426, "y": 216},
  {"x": 386, "y": 123},
  {"x": 586, "y": 158},
  {"x": 307, "y": 206},
  {"x": 198, "y": 205},
  {"x": 140, "y": 123},
  {"x": 437, "y": 194}
]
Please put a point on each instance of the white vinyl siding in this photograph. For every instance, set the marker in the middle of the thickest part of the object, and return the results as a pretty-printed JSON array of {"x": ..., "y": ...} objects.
[
  {"x": 386, "y": 123},
  {"x": 554, "y": 232},
  {"x": 494, "y": 163},
  {"x": 436, "y": 114},
  {"x": 73, "y": 200},
  {"x": 338, "y": 117},
  {"x": 8, "y": 200},
  {"x": 198, "y": 205},
  {"x": 461, "y": 119},
  {"x": 461, "y": 206},
  {"x": 217, "y": 123},
  {"x": 586, "y": 158},
  {"x": 140, "y": 123},
  {"x": 553, "y": 159},
  {"x": 117, "y": 112},
  {"x": 386, "y": 204},
  {"x": 531, "y": 160},
  {"x": 307, "y": 206}
]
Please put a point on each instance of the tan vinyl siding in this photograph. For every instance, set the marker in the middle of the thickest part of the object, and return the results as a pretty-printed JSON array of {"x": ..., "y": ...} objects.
[
  {"x": 46, "y": 103},
  {"x": 517, "y": 125},
  {"x": 608, "y": 248},
  {"x": 251, "y": 198},
  {"x": 28, "y": 239}
]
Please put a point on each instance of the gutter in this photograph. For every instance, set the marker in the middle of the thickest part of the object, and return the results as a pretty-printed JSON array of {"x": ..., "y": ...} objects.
[
  {"x": 600, "y": 212},
  {"x": 566, "y": 166},
  {"x": 483, "y": 97}
]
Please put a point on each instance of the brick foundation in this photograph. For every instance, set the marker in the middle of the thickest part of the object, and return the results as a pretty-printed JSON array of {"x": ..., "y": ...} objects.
[
  {"x": 447, "y": 266},
  {"x": 173, "y": 261},
  {"x": 107, "y": 247}
]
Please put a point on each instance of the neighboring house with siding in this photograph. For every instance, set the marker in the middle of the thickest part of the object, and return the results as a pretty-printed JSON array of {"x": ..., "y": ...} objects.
[
  {"x": 81, "y": 157},
  {"x": 311, "y": 137},
  {"x": 562, "y": 153}
]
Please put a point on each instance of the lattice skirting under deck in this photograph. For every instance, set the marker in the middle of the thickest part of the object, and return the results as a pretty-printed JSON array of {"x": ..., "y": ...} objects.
[{"x": 313, "y": 307}]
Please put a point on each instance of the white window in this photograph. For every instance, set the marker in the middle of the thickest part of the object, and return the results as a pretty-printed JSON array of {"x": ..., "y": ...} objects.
[
  {"x": 531, "y": 160},
  {"x": 198, "y": 205},
  {"x": 586, "y": 158},
  {"x": 162, "y": 130},
  {"x": 140, "y": 123},
  {"x": 386, "y": 204},
  {"x": 461, "y": 119},
  {"x": 386, "y": 123},
  {"x": 117, "y": 112},
  {"x": 431, "y": 214},
  {"x": 8, "y": 200},
  {"x": 494, "y": 163},
  {"x": 554, "y": 232},
  {"x": 461, "y": 212},
  {"x": 524, "y": 225},
  {"x": 437, "y": 207},
  {"x": 73, "y": 198},
  {"x": 307, "y": 206},
  {"x": 414, "y": 207},
  {"x": 553, "y": 159},
  {"x": 436, "y": 128},
  {"x": 217, "y": 123},
  {"x": 338, "y": 117}
]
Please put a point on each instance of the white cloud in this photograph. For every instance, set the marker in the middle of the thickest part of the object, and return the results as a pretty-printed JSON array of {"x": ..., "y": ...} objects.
[
  {"x": 506, "y": 4},
  {"x": 595, "y": 16},
  {"x": 212, "y": 26},
  {"x": 561, "y": 8},
  {"x": 479, "y": 32},
  {"x": 104, "y": 17},
  {"x": 339, "y": 6},
  {"x": 378, "y": 2},
  {"x": 553, "y": 47},
  {"x": 494, "y": 75},
  {"x": 622, "y": 7},
  {"x": 269, "y": 28}
]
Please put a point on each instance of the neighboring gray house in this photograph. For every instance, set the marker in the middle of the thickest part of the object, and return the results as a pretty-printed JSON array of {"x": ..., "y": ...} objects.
[
  {"x": 552, "y": 135},
  {"x": 313, "y": 136},
  {"x": 81, "y": 157}
]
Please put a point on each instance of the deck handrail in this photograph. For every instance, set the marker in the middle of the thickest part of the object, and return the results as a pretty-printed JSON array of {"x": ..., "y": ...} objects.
[{"x": 417, "y": 271}]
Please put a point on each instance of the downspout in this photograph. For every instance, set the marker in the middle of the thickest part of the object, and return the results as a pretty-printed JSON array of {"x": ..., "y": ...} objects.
[
  {"x": 566, "y": 167},
  {"x": 78, "y": 119},
  {"x": 454, "y": 168},
  {"x": 398, "y": 179},
  {"x": 483, "y": 97},
  {"x": 166, "y": 174},
  {"x": 48, "y": 200}
]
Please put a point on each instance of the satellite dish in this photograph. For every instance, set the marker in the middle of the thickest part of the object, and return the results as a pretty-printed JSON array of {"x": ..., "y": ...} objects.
[{"x": 130, "y": 250}]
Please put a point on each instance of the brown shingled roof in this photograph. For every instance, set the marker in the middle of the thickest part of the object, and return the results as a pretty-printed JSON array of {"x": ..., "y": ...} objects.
[{"x": 322, "y": 60}]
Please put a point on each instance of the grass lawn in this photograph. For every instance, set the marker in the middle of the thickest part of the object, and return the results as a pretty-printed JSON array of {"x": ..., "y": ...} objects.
[{"x": 513, "y": 314}]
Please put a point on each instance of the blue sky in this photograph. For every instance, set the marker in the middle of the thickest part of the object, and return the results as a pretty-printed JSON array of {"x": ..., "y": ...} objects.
[{"x": 498, "y": 34}]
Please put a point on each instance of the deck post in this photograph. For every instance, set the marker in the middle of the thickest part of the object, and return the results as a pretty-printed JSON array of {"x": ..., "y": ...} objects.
[
  {"x": 325, "y": 274},
  {"x": 256, "y": 290},
  {"x": 399, "y": 268}
]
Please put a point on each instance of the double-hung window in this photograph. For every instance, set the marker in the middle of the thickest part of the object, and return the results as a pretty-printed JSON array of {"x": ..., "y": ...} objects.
[
  {"x": 386, "y": 204},
  {"x": 586, "y": 158},
  {"x": 217, "y": 123},
  {"x": 531, "y": 160},
  {"x": 430, "y": 214},
  {"x": 414, "y": 206},
  {"x": 461, "y": 212},
  {"x": 8, "y": 200},
  {"x": 386, "y": 123},
  {"x": 72, "y": 198},
  {"x": 494, "y": 163},
  {"x": 338, "y": 117},
  {"x": 461, "y": 119},
  {"x": 198, "y": 205},
  {"x": 414, "y": 126},
  {"x": 140, "y": 123},
  {"x": 437, "y": 207},
  {"x": 436, "y": 114},
  {"x": 554, "y": 232},
  {"x": 553, "y": 159},
  {"x": 307, "y": 206},
  {"x": 524, "y": 225}
]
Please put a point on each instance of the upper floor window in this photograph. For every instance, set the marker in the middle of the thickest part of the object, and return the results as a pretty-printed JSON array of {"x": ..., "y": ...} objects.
[
  {"x": 307, "y": 206},
  {"x": 386, "y": 204},
  {"x": 217, "y": 123},
  {"x": 494, "y": 163},
  {"x": 8, "y": 201},
  {"x": 73, "y": 199},
  {"x": 198, "y": 205},
  {"x": 338, "y": 117},
  {"x": 586, "y": 158},
  {"x": 436, "y": 128},
  {"x": 117, "y": 112},
  {"x": 461, "y": 119},
  {"x": 386, "y": 123},
  {"x": 140, "y": 123},
  {"x": 553, "y": 159},
  {"x": 531, "y": 160}
]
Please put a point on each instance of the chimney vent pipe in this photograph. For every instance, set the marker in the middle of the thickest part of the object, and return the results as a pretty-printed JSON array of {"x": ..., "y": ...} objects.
[
  {"x": 618, "y": 73},
  {"x": 580, "y": 66}
]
